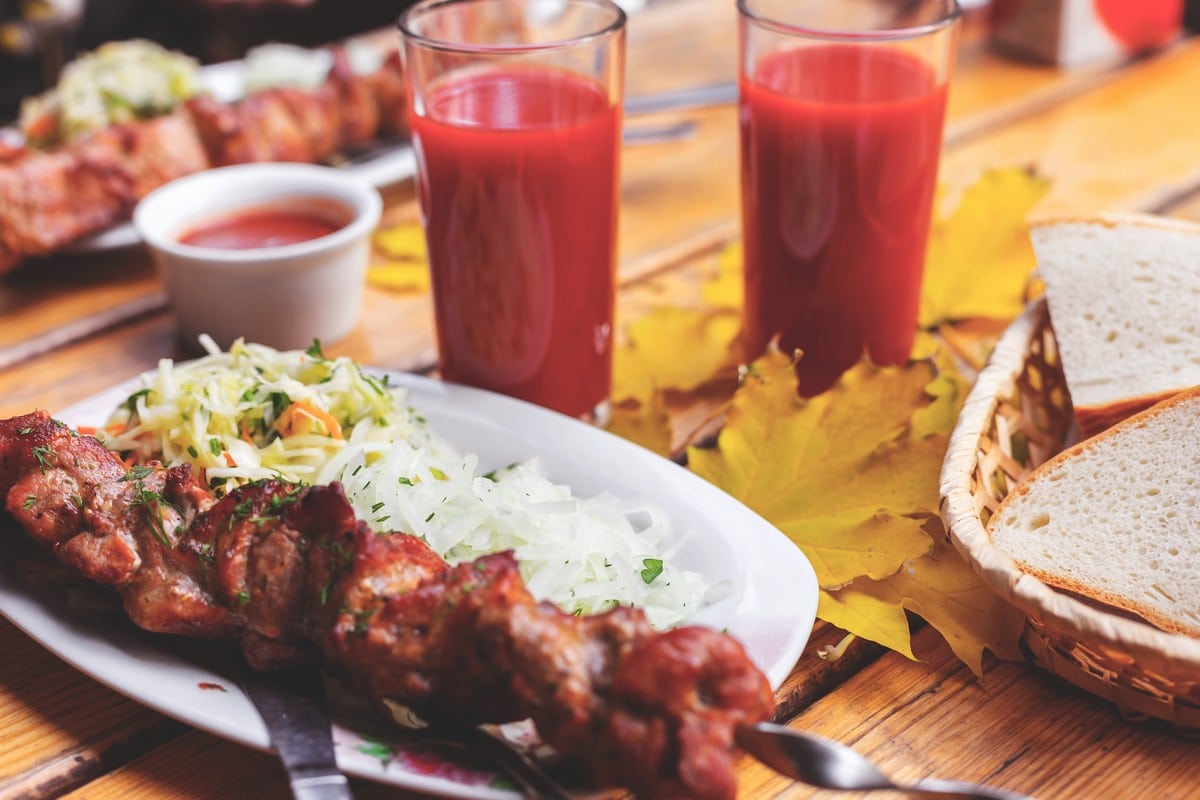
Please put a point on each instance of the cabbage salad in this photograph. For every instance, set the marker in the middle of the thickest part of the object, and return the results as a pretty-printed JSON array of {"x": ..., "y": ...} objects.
[
  {"x": 117, "y": 82},
  {"x": 254, "y": 412}
]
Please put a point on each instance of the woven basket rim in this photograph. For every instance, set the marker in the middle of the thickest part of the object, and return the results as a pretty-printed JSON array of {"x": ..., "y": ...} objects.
[{"x": 1168, "y": 654}]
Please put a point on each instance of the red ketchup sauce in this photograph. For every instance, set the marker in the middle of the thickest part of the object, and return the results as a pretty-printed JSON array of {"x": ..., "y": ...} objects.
[
  {"x": 840, "y": 149},
  {"x": 518, "y": 189},
  {"x": 271, "y": 225}
]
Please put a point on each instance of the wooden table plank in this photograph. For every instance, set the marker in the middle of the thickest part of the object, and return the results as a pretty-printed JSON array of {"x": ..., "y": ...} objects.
[
  {"x": 1129, "y": 144},
  {"x": 60, "y": 728},
  {"x": 1019, "y": 729},
  {"x": 198, "y": 766}
]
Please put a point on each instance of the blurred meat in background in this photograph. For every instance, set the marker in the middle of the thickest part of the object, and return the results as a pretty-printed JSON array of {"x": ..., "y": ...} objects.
[{"x": 37, "y": 37}]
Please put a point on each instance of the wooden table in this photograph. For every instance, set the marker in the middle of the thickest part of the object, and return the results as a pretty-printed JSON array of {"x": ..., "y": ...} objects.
[{"x": 1115, "y": 137}]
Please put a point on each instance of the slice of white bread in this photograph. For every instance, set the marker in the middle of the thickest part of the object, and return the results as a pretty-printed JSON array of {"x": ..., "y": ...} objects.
[
  {"x": 1117, "y": 518},
  {"x": 1124, "y": 299}
]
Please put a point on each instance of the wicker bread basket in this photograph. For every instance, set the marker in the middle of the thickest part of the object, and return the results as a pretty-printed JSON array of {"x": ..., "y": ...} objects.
[{"x": 1017, "y": 416}]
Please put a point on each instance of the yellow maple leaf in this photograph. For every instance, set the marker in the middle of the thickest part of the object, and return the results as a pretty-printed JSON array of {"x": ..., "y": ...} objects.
[
  {"x": 726, "y": 289},
  {"x": 942, "y": 589},
  {"x": 851, "y": 476},
  {"x": 979, "y": 257},
  {"x": 882, "y": 621},
  {"x": 399, "y": 277},
  {"x": 647, "y": 424},
  {"x": 673, "y": 348},
  {"x": 949, "y": 389},
  {"x": 402, "y": 242},
  {"x": 401, "y": 261},
  {"x": 837, "y": 473}
]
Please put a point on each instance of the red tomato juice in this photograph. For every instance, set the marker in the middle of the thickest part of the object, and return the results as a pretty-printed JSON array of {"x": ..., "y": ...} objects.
[
  {"x": 518, "y": 187},
  {"x": 840, "y": 147}
]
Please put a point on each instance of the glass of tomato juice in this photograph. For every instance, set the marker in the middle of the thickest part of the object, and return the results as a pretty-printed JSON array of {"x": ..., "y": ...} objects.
[
  {"x": 516, "y": 126},
  {"x": 841, "y": 108}
]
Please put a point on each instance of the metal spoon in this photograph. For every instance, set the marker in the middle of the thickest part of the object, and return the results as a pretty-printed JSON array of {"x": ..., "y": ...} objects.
[{"x": 827, "y": 764}]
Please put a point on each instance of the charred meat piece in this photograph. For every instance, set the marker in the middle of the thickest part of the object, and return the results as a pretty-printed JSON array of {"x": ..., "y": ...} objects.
[
  {"x": 50, "y": 199},
  {"x": 291, "y": 573},
  {"x": 358, "y": 123},
  {"x": 391, "y": 95},
  {"x": 270, "y": 125}
]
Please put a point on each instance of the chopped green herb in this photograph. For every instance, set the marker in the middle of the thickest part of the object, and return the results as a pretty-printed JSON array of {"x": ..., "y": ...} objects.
[
  {"x": 130, "y": 403},
  {"x": 653, "y": 567},
  {"x": 43, "y": 454},
  {"x": 29, "y": 501},
  {"x": 279, "y": 402},
  {"x": 376, "y": 749},
  {"x": 314, "y": 350},
  {"x": 193, "y": 452},
  {"x": 214, "y": 446},
  {"x": 137, "y": 473},
  {"x": 243, "y": 597}
]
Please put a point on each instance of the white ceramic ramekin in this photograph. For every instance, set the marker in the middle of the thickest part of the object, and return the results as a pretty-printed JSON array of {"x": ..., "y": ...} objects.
[{"x": 284, "y": 296}]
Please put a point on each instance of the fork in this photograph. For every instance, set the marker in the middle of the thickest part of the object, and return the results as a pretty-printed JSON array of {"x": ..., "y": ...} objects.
[{"x": 827, "y": 764}]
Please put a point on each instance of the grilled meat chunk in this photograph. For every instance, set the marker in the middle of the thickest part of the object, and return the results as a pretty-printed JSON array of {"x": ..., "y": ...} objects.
[
  {"x": 50, "y": 199},
  {"x": 296, "y": 577}
]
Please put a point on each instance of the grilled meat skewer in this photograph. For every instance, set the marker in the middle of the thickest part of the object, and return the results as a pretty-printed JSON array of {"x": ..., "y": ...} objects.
[
  {"x": 297, "y": 578},
  {"x": 49, "y": 199}
]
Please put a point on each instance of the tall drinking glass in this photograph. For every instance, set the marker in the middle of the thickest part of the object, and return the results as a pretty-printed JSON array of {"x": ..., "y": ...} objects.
[
  {"x": 516, "y": 125},
  {"x": 841, "y": 113}
]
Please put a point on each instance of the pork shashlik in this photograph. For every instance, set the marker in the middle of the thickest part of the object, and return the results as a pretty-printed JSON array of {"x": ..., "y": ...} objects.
[
  {"x": 290, "y": 573},
  {"x": 90, "y": 181}
]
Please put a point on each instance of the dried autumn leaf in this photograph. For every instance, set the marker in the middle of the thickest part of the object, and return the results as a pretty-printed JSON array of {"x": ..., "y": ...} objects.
[
  {"x": 864, "y": 614},
  {"x": 402, "y": 242},
  {"x": 402, "y": 262},
  {"x": 399, "y": 277},
  {"x": 646, "y": 424},
  {"x": 948, "y": 390},
  {"x": 672, "y": 348},
  {"x": 979, "y": 257},
  {"x": 942, "y": 589},
  {"x": 851, "y": 476},
  {"x": 726, "y": 290},
  {"x": 837, "y": 473}
]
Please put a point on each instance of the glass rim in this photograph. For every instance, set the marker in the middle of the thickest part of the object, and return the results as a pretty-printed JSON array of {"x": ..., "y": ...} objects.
[
  {"x": 952, "y": 15},
  {"x": 450, "y": 45}
]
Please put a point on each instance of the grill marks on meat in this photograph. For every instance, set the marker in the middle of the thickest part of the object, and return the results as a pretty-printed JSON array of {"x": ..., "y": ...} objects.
[
  {"x": 50, "y": 199},
  {"x": 296, "y": 577}
]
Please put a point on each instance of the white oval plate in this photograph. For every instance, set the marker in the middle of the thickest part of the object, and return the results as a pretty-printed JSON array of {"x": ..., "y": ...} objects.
[{"x": 770, "y": 603}]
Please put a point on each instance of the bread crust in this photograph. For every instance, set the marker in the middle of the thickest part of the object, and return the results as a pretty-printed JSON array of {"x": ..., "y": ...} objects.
[
  {"x": 1093, "y": 419},
  {"x": 1052, "y": 466},
  {"x": 1096, "y": 419}
]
